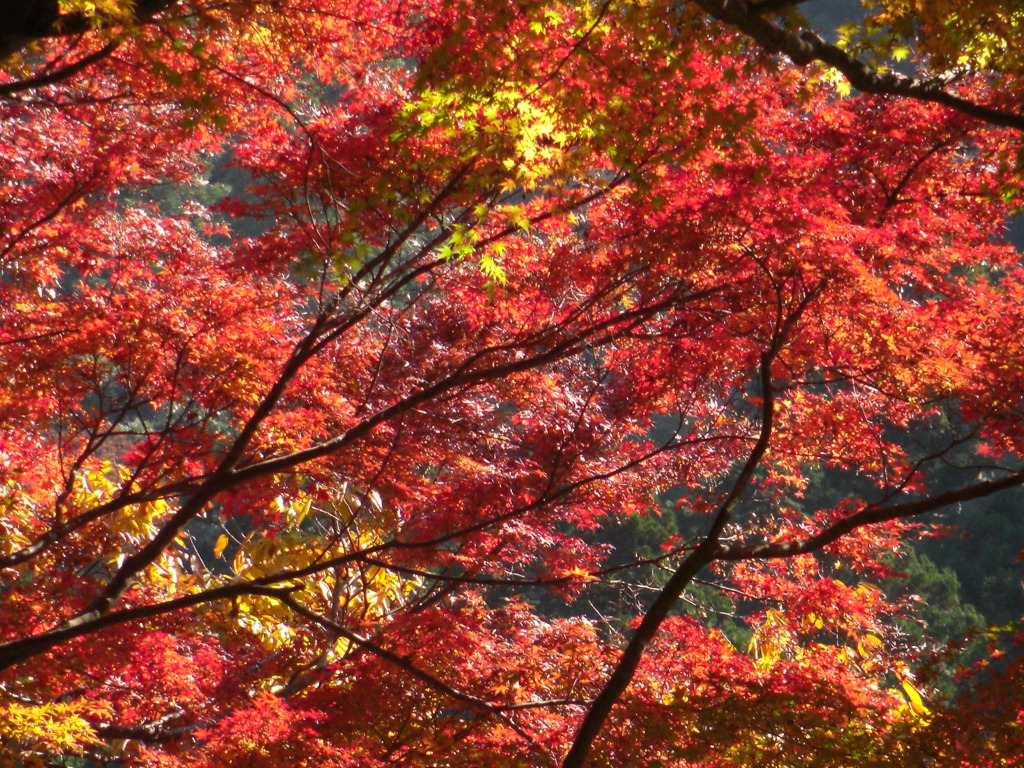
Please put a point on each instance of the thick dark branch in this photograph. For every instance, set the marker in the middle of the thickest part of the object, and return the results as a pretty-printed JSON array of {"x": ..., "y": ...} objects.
[
  {"x": 804, "y": 47},
  {"x": 765, "y": 7},
  {"x": 870, "y": 515},
  {"x": 61, "y": 74},
  {"x": 702, "y": 556},
  {"x": 25, "y": 21},
  {"x": 17, "y": 651},
  {"x": 151, "y": 733}
]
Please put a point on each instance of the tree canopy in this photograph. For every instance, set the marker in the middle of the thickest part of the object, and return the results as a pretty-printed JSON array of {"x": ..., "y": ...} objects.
[{"x": 341, "y": 338}]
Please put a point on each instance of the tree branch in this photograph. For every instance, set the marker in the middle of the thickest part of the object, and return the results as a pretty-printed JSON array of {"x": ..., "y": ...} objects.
[
  {"x": 704, "y": 554},
  {"x": 700, "y": 557},
  {"x": 869, "y": 515},
  {"x": 804, "y": 47},
  {"x": 480, "y": 705},
  {"x": 14, "y": 652},
  {"x": 392, "y": 658},
  {"x": 6, "y": 89}
]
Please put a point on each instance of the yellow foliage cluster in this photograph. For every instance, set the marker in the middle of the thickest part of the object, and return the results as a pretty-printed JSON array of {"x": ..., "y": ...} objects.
[
  {"x": 30, "y": 734},
  {"x": 975, "y": 34},
  {"x": 102, "y": 11},
  {"x": 775, "y": 640},
  {"x": 320, "y": 546}
]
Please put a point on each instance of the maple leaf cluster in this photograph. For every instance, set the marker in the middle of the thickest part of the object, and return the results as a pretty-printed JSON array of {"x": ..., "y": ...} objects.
[{"x": 337, "y": 335}]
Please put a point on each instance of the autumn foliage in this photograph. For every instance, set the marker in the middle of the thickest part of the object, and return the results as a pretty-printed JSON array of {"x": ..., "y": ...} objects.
[{"x": 334, "y": 334}]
